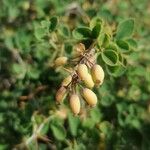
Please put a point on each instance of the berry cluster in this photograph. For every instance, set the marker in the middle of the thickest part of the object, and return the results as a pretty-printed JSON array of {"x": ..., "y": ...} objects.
[{"x": 85, "y": 75}]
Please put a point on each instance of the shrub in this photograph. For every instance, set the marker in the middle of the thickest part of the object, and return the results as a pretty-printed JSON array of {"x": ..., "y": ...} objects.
[{"x": 79, "y": 54}]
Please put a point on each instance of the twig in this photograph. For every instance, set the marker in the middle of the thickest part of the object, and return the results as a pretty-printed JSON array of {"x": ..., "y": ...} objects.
[
  {"x": 36, "y": 134},
  {"x": 32, "y": 95}
]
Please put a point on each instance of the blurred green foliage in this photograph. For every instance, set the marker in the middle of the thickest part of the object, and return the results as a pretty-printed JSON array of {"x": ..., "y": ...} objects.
[{"x": 33, "y": 34}]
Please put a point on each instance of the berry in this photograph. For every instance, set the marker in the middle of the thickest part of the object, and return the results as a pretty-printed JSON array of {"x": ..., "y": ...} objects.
[
  {"x": 75, "y": 104},
  {"x": 82, "y": 70},
  {"x": 66, "y": 81},
  {"x": 60, "y": 95},
  {"x": 97, "y": 74},
  {"x": 60, "y": 61},
  {"x": 88, "y": 81},
  {"x": 89, "y": 96}
]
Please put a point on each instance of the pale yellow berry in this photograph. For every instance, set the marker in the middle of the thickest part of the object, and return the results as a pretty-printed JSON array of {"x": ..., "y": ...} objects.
[
  {"x": 60, "y": 61},
  {"x": 60, "y": 95},
  {"x": 66, "y": 81},
  {"x": 82, "y": 70},
  {"x": 88, "y": 81},
  {"x": 75, "y": 104},
  {"x": 97, "y": 74},
  {"x": 89, "y": 96}
]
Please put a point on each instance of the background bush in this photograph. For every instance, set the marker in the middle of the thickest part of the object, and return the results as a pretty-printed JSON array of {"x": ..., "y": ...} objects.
[{"x": 33, "y": 34}]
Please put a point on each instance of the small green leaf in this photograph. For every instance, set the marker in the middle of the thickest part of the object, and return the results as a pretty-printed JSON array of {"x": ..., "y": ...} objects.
[
  {"x": 95, "y": 21},
  {"x": 96, "y": 30},
  {"x": 64, "y": 31},
  {"x": 122, "y": 59},
  {"x": 3, "y": 146},
  {"x": 33, "y": 73},
  {"x": 136, "y": 123},
  {"x": 53, "y": 23},
  {"x": 73, "y": 124},
  {"x": 110, "y": 57},
  {"x": 112, "y": 46},
  {"x": 87, "y": 123},
  {"x": 79, "y": 146},
  {"x": 121, "y": 107},
  {"x": 124, "y": 46},
  {"x": 19, "y": 70},
  {"x": 45, "y": 23},
  {"x": 40, "y": 33},
  {"x": 107, "y": 100},
  {"x": 9, "y": 42},
  {"x": 106, "y": 40},
  {"x": 68, "y": 48},
  {"x": 44, "y": 129},
  {"x": 121, "y": 119},
  {"x": 132, "y": 43},
  {"x": 103, "y": 40},
  {"x": 58, "y": 131},
  {"x": 82, "y": 33},
  {"x": 95, "y": 114},
  {"x": 105, "y": 127},
  {"x": 125, "y": 29},
  {"x": 116, "y": 71},
  {"x": 42, "y": 146}
]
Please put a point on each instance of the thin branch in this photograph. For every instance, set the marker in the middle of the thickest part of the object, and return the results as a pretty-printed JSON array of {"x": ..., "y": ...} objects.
[{"x": 32, "y": 95}]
